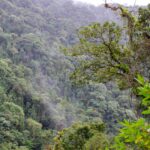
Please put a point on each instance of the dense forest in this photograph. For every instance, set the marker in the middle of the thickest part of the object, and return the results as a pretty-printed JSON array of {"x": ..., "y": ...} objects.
[{"x": 74, "y": 76}]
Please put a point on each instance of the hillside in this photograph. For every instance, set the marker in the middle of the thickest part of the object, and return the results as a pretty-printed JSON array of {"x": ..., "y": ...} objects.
[{"x": 35, "y": 85}]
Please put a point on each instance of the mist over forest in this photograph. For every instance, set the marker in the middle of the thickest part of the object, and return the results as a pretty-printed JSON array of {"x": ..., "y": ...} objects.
[{"x": 54, "y": 92}]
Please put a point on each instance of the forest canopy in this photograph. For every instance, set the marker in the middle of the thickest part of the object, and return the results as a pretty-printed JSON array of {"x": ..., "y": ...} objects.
[{"x": 74, "y": 101}]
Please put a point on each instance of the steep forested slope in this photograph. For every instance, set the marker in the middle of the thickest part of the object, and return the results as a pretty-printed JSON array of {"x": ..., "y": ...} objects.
[{"x": 34, "y": 73}]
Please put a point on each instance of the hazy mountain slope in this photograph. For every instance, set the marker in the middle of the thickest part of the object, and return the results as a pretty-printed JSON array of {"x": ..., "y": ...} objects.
[{"x": 31, "y": 33}]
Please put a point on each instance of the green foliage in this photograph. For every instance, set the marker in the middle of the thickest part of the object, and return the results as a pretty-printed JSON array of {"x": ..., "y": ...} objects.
[
  {"x": 39, "y": 137},
  {"x": 81, "y": 136},
  {"x": 133, "y": 135},
  {"x": 98, "y": 142},
  {"x": 107, "y": 103},
  {"x": 103, "y": 57},
  {"x": 144, "y": 91},
  {"x": 144, "y": 20},
  {"x": 136, "y": 135},
  {"x": 34, "y": 126},
  {"x": 35, "y": 74},
  {"x": 36, "y": 93},
  {"x": 13, "y": 114},
  {"x": 11, "y": 146},
  {"x": 11, "y": 126}
]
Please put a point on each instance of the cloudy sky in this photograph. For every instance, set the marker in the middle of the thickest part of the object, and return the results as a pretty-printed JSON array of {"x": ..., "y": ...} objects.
[{"x": 126, "y": 2}]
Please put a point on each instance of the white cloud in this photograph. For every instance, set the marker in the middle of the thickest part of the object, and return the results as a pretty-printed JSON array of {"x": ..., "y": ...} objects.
[{"x": 126, "y": 2}]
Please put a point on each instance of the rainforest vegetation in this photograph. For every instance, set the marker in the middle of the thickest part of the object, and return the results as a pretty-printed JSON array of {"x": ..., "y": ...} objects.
[{"x": 74, "y": 76}]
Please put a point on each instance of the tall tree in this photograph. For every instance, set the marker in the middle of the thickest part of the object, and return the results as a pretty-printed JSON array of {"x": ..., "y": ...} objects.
[{"x": 104, "y": 54}]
